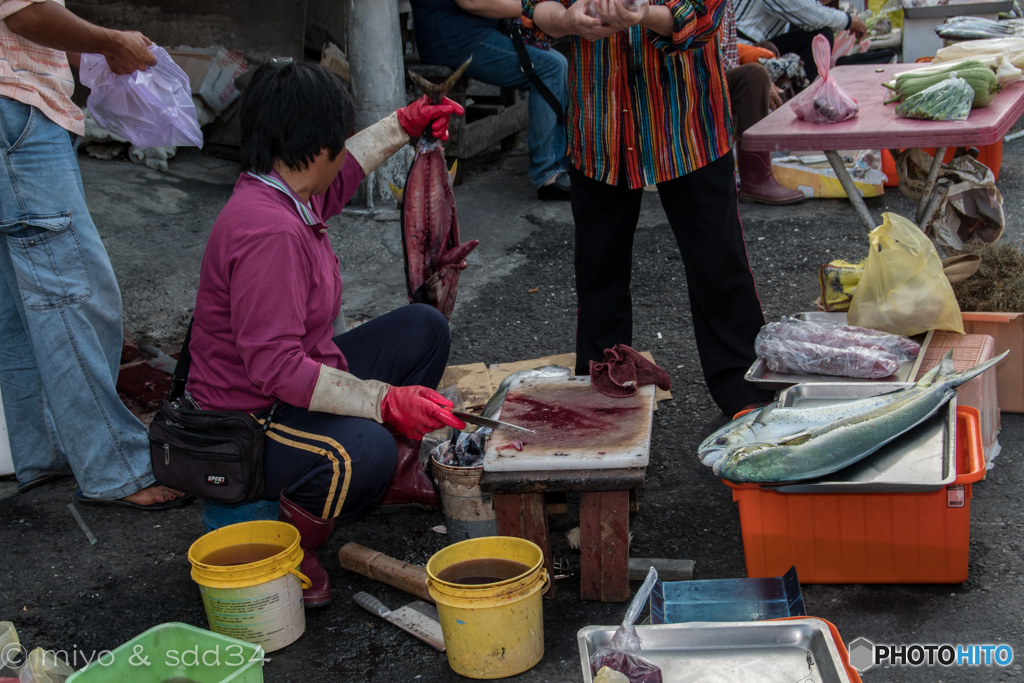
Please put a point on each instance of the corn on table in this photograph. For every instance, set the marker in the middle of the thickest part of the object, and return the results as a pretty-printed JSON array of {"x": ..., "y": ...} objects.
[{"x": 876, "y": 126}]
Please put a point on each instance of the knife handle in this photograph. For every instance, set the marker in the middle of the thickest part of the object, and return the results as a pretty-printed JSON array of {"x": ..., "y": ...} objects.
[{"x": 371, "y": 604}]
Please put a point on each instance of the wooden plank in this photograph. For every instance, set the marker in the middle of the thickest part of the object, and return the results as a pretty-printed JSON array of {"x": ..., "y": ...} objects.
[
  {"x": 604, "y": 546},
  {"x": 523, "y": 516},
  {"x": 564, "y": 480},
  {"x": 877, "y": 125},
  {"x": 480, "y": 135}
]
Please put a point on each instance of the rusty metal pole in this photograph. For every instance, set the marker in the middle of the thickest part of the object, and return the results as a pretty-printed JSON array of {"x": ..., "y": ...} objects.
[{"x": 378, "y": 86}]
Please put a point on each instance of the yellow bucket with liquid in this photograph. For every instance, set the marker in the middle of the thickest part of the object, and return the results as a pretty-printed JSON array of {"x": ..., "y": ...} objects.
[
  {"x": 491, "y": 630},
  {"x": 257, "y": 601}
]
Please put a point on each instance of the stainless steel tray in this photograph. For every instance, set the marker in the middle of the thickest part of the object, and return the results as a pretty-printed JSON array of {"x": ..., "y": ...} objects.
[
  {"x": 923, "y": 459},
  {"x": 728, "y": 652},
  {"x": 957, "y": 9},
  {"x": 760, "y": 375}
]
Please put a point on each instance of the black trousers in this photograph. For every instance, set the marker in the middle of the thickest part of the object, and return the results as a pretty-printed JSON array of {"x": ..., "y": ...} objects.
[
  {"x": 703, "y": 212},
  {"x": 336, "y": 466},
  {"x": 799, "y": 42}
]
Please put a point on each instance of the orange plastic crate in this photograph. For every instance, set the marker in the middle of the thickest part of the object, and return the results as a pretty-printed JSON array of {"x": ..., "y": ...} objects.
[
  {"x": 912, "y": 537},
  {"x": 981, "y": 392}
]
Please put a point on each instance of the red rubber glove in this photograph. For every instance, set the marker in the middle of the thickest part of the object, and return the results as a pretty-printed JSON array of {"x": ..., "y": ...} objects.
[
  {"x": 415, "y": 118},
  {"x": 415, "y": 411}
]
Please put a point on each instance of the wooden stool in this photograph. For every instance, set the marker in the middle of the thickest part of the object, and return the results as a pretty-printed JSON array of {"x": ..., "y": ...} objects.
[{"x": 604, "y": 521}]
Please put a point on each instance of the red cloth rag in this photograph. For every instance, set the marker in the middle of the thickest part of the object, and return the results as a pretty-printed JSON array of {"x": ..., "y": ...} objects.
[{"x": 623, "y": 370}]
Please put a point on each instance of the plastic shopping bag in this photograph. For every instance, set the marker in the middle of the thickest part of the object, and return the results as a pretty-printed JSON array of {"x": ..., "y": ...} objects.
[
  {"x": 903, "y": 289},
  {"x": 623, "y": 653},
  {"x": 824, "y": 101},
  {"x": 948, "y": 100},
  {"x": 151, "y": 108}
]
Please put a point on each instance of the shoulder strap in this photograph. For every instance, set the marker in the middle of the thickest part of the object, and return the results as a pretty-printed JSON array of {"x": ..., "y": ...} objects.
[
  {"x": 180, "y": 377},
  {"x": 531, "y": 74}
]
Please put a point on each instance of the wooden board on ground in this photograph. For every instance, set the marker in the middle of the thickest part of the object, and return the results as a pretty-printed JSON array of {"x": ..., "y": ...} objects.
[{"x": 576, "y": 427}]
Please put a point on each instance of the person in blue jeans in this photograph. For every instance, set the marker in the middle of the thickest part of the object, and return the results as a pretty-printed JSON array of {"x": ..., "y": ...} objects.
[
  {"x": 60, "y": 307},
  {"x": 450, "y": 31}
]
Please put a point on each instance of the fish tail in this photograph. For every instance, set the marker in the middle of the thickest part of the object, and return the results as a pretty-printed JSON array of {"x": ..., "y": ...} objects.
[
  {"x": 437, "y": 91},
  {"x": 967, "y": 375},
  {"x": 929, "y": 377}
]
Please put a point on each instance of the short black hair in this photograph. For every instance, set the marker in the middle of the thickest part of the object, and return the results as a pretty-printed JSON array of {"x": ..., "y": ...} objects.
[{"x": 290, "y": 111}]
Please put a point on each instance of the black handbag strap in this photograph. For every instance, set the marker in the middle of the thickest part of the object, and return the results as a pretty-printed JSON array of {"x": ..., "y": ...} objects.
[
  {"x": 531, "y": 74},
  {"x": 180, "y": 377}
]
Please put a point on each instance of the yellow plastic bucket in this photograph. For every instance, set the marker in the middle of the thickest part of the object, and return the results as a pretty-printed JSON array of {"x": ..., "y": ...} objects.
[
  {"x": 259, "y": 602},
  {"x": 491, "y": 630}
]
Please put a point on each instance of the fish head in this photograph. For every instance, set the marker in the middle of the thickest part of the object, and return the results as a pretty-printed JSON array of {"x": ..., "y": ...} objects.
[
  {"x": 730, "y": 467},
  {"x": 742, "y": 430}
]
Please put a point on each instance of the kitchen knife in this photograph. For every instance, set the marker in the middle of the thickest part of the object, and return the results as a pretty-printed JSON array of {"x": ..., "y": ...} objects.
[
  {"x": 487, "y": 422},
  {"x": 418, "y": 618}
]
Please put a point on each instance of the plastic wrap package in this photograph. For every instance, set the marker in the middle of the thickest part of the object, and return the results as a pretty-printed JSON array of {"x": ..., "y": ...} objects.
[
  {"x": 11, "y": 651},
  {"x": 798, "y": 358},
  {"x": 824, "y": 101},
  {"x": 151, "y": 108},
  {"x": 987, "y": 51},
  {"x": 948, "y": 100},
  {"x": 842, "y": 337},
  {"x": 903, "y": 289},
  {"x": 623, "y": 653},
  {"x": 43, "y": 666}
]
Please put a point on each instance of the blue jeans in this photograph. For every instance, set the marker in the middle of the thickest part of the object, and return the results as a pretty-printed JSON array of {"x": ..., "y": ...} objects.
[
  {"x": 60, "y": 319},
  {"x": 495, "y": 62}
]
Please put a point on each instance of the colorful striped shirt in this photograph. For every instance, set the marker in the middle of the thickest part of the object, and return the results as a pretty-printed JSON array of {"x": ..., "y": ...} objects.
[
  {"x": 35, "y": 75},
  {"x": 658, "y": 105}
]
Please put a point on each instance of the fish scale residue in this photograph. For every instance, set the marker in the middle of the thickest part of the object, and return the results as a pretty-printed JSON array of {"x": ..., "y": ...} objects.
[{"x": 571, "y": 417}]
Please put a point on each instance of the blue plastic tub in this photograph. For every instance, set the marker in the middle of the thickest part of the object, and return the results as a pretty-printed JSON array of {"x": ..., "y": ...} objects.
[{"x": 676, "y": 602}]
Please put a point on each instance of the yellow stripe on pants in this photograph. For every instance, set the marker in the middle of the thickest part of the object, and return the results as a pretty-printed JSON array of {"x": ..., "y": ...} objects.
[{"x": 331, "y": 444}]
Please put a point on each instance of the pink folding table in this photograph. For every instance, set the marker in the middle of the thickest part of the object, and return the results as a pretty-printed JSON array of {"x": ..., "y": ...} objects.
[{"x": 876, "y": 126}]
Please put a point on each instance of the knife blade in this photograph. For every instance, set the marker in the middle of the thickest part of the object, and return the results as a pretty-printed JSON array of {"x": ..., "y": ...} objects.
[
  {"x": 488, "y": 422},
  {"x": 417, "y": 618}
]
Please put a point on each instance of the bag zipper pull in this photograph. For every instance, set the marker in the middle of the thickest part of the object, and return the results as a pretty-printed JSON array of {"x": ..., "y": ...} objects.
[
  {"x": 175, "y": 424},
  {"x": 167, "y": 454}
]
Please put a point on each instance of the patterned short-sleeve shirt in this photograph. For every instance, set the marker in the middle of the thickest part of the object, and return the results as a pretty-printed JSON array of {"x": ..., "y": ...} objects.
[{"x": 36, "y": 75}]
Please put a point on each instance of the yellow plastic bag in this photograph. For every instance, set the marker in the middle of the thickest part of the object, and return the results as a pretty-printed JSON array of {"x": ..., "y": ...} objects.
[{"x": 903, "y": 289}]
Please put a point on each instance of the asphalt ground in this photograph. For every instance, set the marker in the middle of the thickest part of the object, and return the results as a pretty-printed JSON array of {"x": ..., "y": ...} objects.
[{"x": 64, "y": 594}]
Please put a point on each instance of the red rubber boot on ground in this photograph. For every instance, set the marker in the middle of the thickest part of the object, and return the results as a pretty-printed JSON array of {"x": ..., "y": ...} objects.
[
  {"x": 409, "y": 485},
  {"x": 757, "y": 184},
  {"x": 314, "y": 532}
]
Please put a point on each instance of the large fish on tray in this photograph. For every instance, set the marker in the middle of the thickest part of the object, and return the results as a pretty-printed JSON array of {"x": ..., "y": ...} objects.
[
  {"x": 434, "y": 254},
  {"x": 761, "y": 452}
]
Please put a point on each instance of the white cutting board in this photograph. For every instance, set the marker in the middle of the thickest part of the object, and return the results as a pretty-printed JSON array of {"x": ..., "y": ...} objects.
[{"x": 577, "y": 428}]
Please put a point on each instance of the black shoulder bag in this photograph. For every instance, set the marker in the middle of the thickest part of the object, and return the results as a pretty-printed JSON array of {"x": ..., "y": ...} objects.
[{"x": 209, "y": 454}]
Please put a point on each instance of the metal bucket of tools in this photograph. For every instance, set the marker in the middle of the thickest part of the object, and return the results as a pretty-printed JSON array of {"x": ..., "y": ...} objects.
[{"x": 468, "y": 511}]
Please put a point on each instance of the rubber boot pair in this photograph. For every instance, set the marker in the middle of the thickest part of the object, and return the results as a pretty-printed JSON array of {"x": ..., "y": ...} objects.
[
  {"x": 314, "y": 532},
  {"x": 757, "y": 184}
]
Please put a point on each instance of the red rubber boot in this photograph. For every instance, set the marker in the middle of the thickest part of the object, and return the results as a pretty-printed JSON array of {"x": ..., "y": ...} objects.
[
  {"x": 757, "y": 184},
  {"x": 409, "y": 485},
  {"x": 314, "y": 532}
]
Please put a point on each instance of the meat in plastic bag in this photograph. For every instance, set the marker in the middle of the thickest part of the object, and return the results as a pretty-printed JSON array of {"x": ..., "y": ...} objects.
[
  {"x": 843, "y": 336},
  {"x": 622, "y": 654},
  {"x": 795, "y": 357},
  {"x": 151, "y": 108},
  {"x": 823, "y": 101}
]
